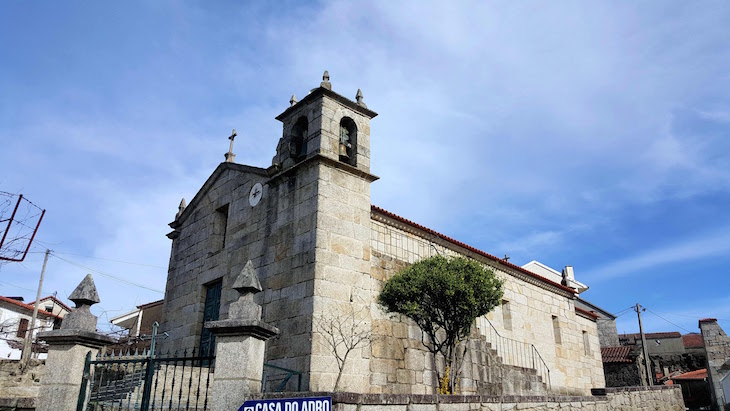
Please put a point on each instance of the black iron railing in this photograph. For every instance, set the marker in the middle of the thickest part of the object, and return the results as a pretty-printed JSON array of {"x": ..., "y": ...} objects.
[{"x": 133, "y": 381}]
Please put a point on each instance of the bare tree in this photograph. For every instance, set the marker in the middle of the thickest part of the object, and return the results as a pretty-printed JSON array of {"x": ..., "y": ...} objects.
[{"x": 342, "y": 333}]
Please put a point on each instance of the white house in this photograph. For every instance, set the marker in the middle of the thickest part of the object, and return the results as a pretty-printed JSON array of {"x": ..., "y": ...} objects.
[{"x": 15, "y": 321}]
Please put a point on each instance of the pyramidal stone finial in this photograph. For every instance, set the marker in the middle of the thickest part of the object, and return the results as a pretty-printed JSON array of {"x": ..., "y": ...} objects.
[
  {"x": 84, "y": 296},
  {"x": 181, "y": 208},
  {"x": 247, "y": 284},
  {"x": 326, "y": 81},
  {"x": 247, "y": 280},
  {"x": 358, "y": 99},
  {"x": 293, "y": 100},
  {"x": 85, "y": 293}
]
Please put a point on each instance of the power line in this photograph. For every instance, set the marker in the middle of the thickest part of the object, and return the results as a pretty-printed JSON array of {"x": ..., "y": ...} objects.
[
  {"x": 116, "y": 261},
  {"x": 690, "y": 316},
  {"x": 23, "y": 288},
  {"x": 622, "y": 312},
  {"x": 668, "y": 320},
  {"x": 108, "y": 275},
  {"x": 100, "y": 258}
]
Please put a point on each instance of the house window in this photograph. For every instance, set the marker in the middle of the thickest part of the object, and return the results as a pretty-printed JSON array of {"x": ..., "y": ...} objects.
[
  {"x": 220, "y": 224},
  {"x": 22, "y": 327},
  {"x": 211, "y": 311},
  {"x": 586, "y": 343},
  {"x": 556, "y": 330},
  {"x": 348, "y": 141},
  {"x": 506, "y": 315}
]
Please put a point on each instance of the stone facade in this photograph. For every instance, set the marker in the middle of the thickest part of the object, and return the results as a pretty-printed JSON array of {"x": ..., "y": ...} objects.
[
  {"x": 321, "y": 250},
  {"x": 717, "y": 345},
  {"x": 607, "y": 333}
]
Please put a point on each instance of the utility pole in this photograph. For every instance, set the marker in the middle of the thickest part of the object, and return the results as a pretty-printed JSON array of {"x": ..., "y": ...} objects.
[
  {"x": 647, "y": 360},
  {"x": 28, "y": 344}
]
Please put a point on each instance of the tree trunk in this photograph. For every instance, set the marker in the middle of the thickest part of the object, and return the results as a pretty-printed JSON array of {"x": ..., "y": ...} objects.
[{"x": 339, "y": 374}]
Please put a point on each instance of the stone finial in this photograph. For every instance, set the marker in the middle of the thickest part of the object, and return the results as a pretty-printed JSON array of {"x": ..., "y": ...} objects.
[
  {"x": 181, "y": 208},
  {"x": 247, "y": 284},
  {"x": 229, "y": 155},
  {"x": 84, "y": 296},
  {"x": 326, "y": 81},
  {"x": 247, "y": 280},
  {"x": 85, "y": 293},
  {"x": 293, "y": 100},
  {"x": 358, "y": 99}
]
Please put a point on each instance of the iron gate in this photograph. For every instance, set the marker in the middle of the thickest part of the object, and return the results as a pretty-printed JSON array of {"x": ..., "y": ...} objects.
[{"x": 144, "y": 382}]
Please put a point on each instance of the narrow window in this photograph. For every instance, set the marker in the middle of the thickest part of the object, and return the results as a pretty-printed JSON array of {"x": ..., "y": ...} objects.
[
  {"x": 348, "y": 141},
  {"x": 556, "y": 330},
  {"x": 211, "y": 310},
  {"x": 506, "y": 315},
  {"x": 586, "y": 344},
  {"x": 22, "y": 327},
  {"x": 220, "y": 223}
]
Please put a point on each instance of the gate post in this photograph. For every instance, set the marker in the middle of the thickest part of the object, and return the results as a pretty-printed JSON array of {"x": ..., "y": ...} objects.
[
  {"x": 68, "y": 349},
  {"x": 239, "y": 346}
]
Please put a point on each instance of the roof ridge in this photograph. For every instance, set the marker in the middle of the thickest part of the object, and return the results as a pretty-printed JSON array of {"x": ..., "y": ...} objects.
[
  {"x": 27, "y": 306},
  {"x": 498, "y": 260}
]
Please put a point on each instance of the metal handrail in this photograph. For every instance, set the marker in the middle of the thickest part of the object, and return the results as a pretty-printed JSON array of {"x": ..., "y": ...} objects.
[
  {"x": 290, "y": 373},
  {"x": 520, "y": 354}
]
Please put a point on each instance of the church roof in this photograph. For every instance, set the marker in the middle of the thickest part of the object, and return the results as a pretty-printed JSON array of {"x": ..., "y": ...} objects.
[
  {"x": 477, "y": 251},
  {"x": 209, "y": 184},
  {"x": 585, "y": 313},
  {"x": 320, "y": 91}
]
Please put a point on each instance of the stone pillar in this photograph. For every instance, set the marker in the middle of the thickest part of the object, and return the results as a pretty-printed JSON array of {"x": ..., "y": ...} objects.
[
  {"x": 67, "y": 351},
  {"x": 239, "y": 346},
  {"x": 717, "y": 347}
]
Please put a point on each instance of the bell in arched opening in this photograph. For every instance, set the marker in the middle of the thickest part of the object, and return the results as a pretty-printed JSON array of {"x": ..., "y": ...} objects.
[{"x": 348, "y": 141}]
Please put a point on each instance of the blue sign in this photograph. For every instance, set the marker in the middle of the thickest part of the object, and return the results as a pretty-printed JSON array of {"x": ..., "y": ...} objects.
[{"x": 289, "y": 404}]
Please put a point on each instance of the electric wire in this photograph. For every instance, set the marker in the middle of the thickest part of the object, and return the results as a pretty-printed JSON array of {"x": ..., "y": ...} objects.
[
  {"x": 690, "y": 316},
  {"x": 107, "y": 274},
  {"x": 668, "y": 321}
]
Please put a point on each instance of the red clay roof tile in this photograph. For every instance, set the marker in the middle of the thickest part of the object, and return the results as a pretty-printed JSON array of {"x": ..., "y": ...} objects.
[
  {"x": 616, "y": 354},
  {"x": 27, "y": 306},
  {"x": 692, "y": 375},
  {"x": 693, "y": 340},
  {"x": 470, "y": 248}
]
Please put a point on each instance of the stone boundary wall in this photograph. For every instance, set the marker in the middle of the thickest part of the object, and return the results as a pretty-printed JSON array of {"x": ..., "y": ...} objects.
[
  {"x": 17, "y": 404},
  {"x": 659, "y": 398}
]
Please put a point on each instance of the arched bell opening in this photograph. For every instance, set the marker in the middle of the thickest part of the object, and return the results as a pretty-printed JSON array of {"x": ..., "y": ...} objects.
[{"x": 348, "y": 141}]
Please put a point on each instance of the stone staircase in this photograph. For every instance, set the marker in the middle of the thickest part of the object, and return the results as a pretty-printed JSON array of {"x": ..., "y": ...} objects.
[
  {"x": 172, "y": 388},
  {"x": 486, "y": 373},
  {"x": 119, "y": 389}
]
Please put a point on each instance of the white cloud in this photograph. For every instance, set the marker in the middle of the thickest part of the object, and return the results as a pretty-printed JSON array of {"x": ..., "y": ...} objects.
[{"x": 710, "y": 245}]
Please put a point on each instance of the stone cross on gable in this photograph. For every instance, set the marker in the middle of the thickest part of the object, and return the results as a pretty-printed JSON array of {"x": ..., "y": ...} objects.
[{"x": 229, "y": 155}]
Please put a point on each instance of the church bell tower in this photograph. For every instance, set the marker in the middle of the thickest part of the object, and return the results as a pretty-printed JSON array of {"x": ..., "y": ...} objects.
[
  {"x": 325, "y": 124},
  {"x": 324, "y": 156}
]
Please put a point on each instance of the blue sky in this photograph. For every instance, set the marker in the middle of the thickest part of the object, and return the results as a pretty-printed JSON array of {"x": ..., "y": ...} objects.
[{"x": 593, "y": 134}]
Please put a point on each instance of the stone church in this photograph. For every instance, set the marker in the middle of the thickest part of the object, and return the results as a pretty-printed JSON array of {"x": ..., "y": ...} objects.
[{"x": 322, "y": 251}]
